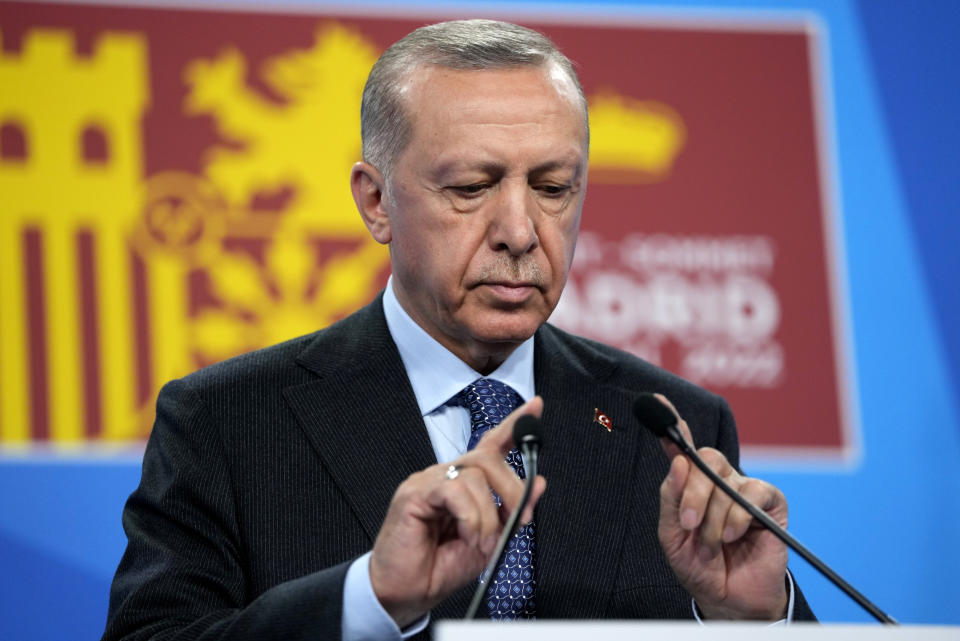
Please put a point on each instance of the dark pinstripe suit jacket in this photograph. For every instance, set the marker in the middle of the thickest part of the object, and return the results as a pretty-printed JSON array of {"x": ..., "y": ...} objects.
[{"x": 267, "y": 474}]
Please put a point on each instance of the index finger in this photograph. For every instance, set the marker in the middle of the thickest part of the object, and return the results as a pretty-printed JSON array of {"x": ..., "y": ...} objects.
[{"x": 669, "y": 446}]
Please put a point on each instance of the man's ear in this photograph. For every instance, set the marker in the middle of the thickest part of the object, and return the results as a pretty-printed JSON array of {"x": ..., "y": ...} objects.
[{"x": 368, "y": 185}]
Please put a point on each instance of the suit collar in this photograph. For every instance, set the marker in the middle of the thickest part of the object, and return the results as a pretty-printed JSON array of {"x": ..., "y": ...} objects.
[{"x": 349, "y": 343}]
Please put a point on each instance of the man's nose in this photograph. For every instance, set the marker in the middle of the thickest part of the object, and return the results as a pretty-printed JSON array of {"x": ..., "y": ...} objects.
[{"x": 512, "y": 226}]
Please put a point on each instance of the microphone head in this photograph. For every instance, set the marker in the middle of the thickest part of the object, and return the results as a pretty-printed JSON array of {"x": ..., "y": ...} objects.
[
  {"x": 654, "y": 415},
  {"x": 527, "y": 430}
]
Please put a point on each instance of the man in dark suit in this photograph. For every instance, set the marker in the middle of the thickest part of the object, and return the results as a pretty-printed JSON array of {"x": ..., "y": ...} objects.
[{"x": 296, "y": 493}]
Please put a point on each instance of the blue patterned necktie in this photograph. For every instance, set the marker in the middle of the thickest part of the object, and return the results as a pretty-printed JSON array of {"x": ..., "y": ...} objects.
[{"x": 510, "y": 593}]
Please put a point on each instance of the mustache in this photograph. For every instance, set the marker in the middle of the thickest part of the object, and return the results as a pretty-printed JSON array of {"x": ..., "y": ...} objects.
[{"x": 514, "y": 269}]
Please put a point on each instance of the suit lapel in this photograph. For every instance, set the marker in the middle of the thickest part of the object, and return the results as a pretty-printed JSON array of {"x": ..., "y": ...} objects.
[
  {"x": 582, "y": 517},
  {"x": 360, "y": 414},
  {"x": 363, "y": 420}
]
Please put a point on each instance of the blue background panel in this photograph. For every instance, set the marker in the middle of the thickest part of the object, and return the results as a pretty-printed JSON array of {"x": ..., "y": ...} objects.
[{"x": 889, "y": 523}]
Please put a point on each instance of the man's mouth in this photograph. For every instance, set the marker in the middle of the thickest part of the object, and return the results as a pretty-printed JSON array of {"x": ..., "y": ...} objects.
[{"x": 510, "y": 292}]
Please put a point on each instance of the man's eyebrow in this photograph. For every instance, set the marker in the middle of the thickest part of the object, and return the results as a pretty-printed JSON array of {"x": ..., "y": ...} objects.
[
  {"x": 445, "y": 170},
  {"x": 493, "y": 168},
  {"x": 553, "y": 165}
]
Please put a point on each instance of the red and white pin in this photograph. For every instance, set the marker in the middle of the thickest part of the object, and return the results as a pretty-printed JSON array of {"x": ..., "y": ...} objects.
[{"x": 603, "y": 419}]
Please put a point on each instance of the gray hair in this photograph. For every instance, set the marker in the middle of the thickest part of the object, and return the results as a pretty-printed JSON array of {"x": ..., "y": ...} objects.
[{"x": 385, "y": 127}]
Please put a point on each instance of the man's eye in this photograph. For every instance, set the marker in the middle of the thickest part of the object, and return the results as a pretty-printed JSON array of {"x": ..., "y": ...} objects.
[
  {"x": 553, "y": 190},
  {"x": 470, "y": 190}
]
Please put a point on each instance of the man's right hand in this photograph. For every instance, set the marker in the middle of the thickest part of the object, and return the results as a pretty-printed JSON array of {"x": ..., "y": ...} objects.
[{"x": 439, "y": 533}]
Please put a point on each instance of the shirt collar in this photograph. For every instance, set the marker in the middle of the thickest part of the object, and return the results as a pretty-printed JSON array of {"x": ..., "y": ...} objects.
[{"x": 435, "y": 373}]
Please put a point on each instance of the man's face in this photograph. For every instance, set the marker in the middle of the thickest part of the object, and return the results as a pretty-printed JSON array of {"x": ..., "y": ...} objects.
[{"x": 484, "y": 205}]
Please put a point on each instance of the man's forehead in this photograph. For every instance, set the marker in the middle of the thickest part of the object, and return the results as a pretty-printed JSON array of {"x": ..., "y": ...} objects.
[
  {"x": 421, "y": 76},
  {"x": 437, "y": 98}
]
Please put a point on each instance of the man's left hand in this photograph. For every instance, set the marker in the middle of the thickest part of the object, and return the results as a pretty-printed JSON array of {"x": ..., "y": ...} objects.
[{"x": 733, "y": 567}]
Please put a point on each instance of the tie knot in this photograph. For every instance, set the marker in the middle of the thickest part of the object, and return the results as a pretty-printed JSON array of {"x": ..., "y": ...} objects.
[{"x": 489, "y": 401}]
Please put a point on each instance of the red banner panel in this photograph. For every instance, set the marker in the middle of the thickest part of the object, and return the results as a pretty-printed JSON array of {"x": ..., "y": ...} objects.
[{"x": 175, "y": 191}]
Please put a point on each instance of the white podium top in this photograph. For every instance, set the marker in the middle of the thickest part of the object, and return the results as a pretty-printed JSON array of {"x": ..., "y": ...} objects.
[{"x": 682, "y": 631}]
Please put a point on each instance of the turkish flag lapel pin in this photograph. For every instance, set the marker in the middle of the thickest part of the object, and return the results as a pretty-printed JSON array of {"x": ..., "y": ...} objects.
[{"x": 603, "y": 419}]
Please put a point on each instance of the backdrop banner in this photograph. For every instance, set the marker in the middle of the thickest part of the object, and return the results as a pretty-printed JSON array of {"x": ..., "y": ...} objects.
[{"x": 175, "y": 191}]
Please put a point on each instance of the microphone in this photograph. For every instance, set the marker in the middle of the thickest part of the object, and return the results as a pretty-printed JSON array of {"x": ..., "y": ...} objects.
[
  {"x": 659, "y": 419},
  {"x": 527, "y": 436}
]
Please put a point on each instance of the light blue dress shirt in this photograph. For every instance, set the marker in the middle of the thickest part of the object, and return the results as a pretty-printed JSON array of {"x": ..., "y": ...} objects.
[{"x": 436, "y": 376}]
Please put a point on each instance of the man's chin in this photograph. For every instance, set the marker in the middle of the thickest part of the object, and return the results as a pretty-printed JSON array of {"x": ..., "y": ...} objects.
[
  {"x": 507, "y": 328},
  {"x": 489, "y": 338}
]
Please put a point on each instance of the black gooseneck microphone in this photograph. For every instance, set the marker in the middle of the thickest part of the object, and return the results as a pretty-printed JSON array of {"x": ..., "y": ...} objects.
[
  {"x": 527, "y": 436},
  {"x": 659, "y": 419}
]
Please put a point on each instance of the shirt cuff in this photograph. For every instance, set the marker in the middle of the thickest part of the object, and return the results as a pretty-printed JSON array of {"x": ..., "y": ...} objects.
[
  {"x": 364, "y": 618},
  {"x": 790, "y": 601}
]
